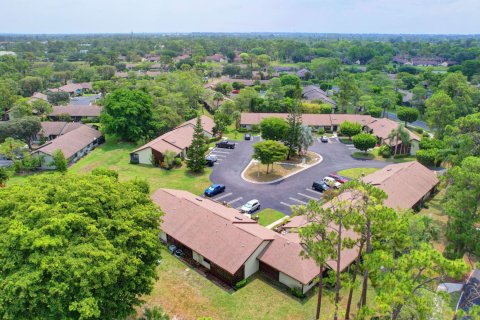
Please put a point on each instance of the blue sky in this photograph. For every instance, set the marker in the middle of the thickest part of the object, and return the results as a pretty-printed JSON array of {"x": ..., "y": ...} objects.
[{"x": 322, "y": 16}]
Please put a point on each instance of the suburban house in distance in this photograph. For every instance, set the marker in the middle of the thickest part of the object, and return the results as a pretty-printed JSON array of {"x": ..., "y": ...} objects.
[
  {"x": 75, "y": 112},
  {"x": 74, "y": 89},
  {"x": 329, "y": 122},
  {"x": 178, "y": 140},
  {"x": 311, "y": 93},
  {"x": 407, "y": 184},
  {"x": 232, "y": 247},
  {"x": 382, "y": 128},
  {"x": 74, "y": 145},
  {"x": 53, "y": 129},
  {"x": 39, "y": 96}
]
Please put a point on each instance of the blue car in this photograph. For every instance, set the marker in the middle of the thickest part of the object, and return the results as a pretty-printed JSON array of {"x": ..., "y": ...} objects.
[{"x": 214, "y": 189}]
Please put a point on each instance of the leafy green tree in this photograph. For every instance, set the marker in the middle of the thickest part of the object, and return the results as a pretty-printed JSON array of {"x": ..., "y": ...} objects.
[
  {"x": 462, "y": 138},
  {"x": 81, "y": 256},
  {"x": 407, "y": 114},
  {"x": 440, "y": 112},
  {"x": 462, "y": 207},
  {"x": 41, "y": 107},
  {"x": 224, "y": 88},
  {"x": 325, "y": 68},
  {"x": 128, "y": 114},
  {"x": 273, "y": 128},
  {"x": 103, "y": 86},
  {"x": 197, "y": 149},
  {"x": 106, "y": 72},
  {"x": 364, "y": 141},
  {"x": 269, "y": 151},
  {"x": 24, "y": 129},
  {"x": 29, "y": 85},
  {"x": 350, "y": 129},
  {"x": 246, "y": 99},
  {"x": 8, "y": 92},
  {"x": 222, "y": 121},
  {"x": 21, "y": 108},
  {"x": 58, "y": 98},
  {"x": 155, "y": 313},
  {"x": 427, "y": 157},
  {"x": 59, "y": 161},
  {"x": 406, "y": 285},
  {"x": 105, "y": 172}
]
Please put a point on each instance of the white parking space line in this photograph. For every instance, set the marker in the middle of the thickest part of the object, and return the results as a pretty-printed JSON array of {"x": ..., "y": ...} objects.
[
  {"x": 314, "y": 191},
  {"x": 299, "y": 201},
  {"x": 286, "y": 204},
  {"x": 235, "y": 200},
  {"x": 238, "y": 208},
  {"x": 218, "y": 155},
  {"x": 310, "y": 197},
  {"x": 218, "y": 151},
  {"x": 224, "y": 196}
]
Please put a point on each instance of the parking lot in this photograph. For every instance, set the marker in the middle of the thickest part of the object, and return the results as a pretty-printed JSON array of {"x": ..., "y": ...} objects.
[{"x": 282, "y": 195}]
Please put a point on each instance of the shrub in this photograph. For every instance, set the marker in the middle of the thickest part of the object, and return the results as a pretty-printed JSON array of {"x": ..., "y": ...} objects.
[
  {"x": 297, "y": 292},
  {"x": 419, "y": 130},
  {"x": 385, "y": 151},
  {"x": 427, "y": 157},
  {"x": 168, "y": 159},
  {"x": 364, "y": 141},
  {"x": 321, "y": 131},
  {"x": 178, "y": 162},
  {"x": 255, "y": 128},
  {"x": 242, "y": 283},
  {"x": 429, "y": 143}
]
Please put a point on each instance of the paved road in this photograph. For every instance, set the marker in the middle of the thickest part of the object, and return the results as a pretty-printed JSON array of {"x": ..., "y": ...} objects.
[
  {"x": 471, "y": 293},
  {"x": 418, "y": 123},
  {"x": 84, "y": 100},
  {"x": 282, "y": 195},
  {"x": 5, "y": 163}
]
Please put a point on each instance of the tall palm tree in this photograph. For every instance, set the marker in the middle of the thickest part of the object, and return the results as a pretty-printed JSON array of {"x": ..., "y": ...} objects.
[{"x": 397, "y": 135}]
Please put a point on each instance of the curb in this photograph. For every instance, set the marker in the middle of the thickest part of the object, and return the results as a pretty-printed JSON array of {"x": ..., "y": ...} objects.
[{"x": 282, "y": 178}]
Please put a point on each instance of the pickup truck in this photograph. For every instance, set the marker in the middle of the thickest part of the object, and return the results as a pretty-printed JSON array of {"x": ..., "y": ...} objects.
[{"x": 225, "y": 144}]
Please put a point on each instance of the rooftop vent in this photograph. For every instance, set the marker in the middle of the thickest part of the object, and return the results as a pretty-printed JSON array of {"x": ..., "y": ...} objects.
[{"x": 199, "y": 199}]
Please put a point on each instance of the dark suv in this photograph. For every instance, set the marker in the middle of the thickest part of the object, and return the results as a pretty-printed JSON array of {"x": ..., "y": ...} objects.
[
  {"x": 320, "y": 186},
  {"x": 225, "y": 144}
]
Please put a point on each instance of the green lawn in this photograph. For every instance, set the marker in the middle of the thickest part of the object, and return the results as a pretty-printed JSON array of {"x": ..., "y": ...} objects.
[
  {"x": 363, "y": 155},
  {"x": 183, "y": 292},
  {"x": 356, "y": 173},
  {"x": 115, "y": 155},
  {"x": 268, "y": 216}
]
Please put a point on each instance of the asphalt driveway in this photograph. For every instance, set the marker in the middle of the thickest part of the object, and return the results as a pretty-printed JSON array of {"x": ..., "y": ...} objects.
[{"x": 294, "y": 190}]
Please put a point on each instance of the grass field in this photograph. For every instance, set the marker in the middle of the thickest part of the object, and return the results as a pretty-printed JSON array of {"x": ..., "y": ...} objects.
[
  {"x": 115, "y": 155},
  {"x": 356, "y": 173},
  {"x": 268, "y": 216},
  {"x": 183, "y": 292}
]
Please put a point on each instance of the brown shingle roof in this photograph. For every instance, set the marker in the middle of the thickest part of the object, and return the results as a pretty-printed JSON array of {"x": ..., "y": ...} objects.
[
  {"x": 72, "y": 87},
  {"x": 71, "y": 142},
  {"x": 179, "y": 138},
  {"x": 315, "y": 93},
  {"x": 220, "y": 234},
  {"x": 309, "y": 118},
  {"x": 77, "y": 111},
  {"x": 39, "y": 96},
  {"x": 382, "y": 128},
  {"x": 404, "y": 183},
  {"x": 57, "y": 128}
]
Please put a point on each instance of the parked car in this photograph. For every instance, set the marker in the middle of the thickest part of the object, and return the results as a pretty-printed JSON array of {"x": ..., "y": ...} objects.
[
  {"x": 225, "y": 144},
  {"x": 332, "y": 182},
  {"x": 214, "y": 189},
  {"x": 338, "y": 178},
  {"x": 210, "y": 160},
  {"x": 320, "y": 186},
  {"x": 324, "y": 139},
  {"x": 250, "y": 207},
  {"x": 248, "y": 136}
]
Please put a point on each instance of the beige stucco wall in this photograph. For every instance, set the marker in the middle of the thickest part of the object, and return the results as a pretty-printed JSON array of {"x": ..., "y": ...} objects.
[
  {"x": 199, "y": 258},
  {"x": 414, "y": 147},
  {"x": 306, "y": 288},
  {"x": 163, "y": 236},
  {"x": 252, "y": 263},
  {"x": 289, "y": 281},
  {"x": 145, "y": 156}
]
